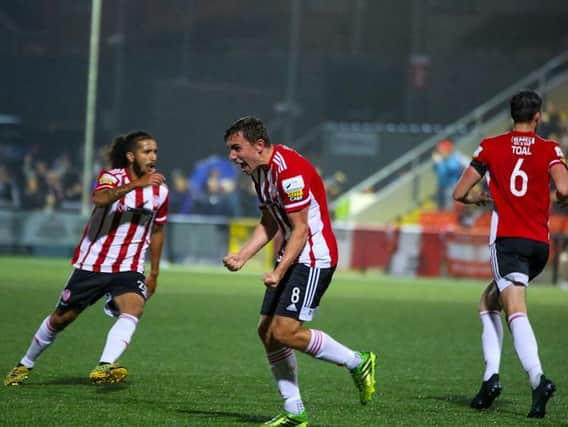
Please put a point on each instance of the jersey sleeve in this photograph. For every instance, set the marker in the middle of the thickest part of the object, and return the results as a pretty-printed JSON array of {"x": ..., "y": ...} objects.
[
  {"x": 556, "y": 155},
  {"x": 162, "y": 214},
  {"x": 294, "y": 189},
  {"x": 106, "y": 180},
  {"x": 479, "y": 159}
]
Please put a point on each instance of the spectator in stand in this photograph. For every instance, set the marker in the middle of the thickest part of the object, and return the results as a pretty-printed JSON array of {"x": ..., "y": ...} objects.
[
  {"x": 45, "y": 187},
  {"x": 448, "y": 165},
  {"x": 9, "y": 192},
  {"x": 67, "y": 183},
  {"x": 55, "y": 190},
  {"x": 247, "y": 196},
  {"x": 72, "y": 189},
  {"x": 212, "y": 184},
  {"x": 180, "y": 197},
  {"x": 555, "y": 127},
  {"x": 214, "y": 193},
  {"x": 334, "y": 184},
  {"x": 35, "y": 195},
  {"x": 551, "y": 125}
]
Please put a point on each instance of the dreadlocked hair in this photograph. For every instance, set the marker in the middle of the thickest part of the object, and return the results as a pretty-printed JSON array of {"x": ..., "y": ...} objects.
[{"x": 123, "y": 144}]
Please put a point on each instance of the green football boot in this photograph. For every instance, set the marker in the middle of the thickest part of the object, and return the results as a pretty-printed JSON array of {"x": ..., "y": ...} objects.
[
  {"x": 364, "y": 376},
  {"x": 288, "y": 420}
]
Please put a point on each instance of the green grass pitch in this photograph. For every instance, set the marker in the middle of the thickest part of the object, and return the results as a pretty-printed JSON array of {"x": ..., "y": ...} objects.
[{"x": 195, "y": 359}]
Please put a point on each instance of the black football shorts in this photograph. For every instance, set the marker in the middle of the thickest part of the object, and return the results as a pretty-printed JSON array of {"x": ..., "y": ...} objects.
[
  {"x": 298, "y": 294},
  {"x": 517, "y": 260},
  {"x": 84, "y": 288}
]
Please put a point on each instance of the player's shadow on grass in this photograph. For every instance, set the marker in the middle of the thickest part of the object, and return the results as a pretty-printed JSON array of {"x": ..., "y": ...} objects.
[
  {"x": 99, "y": 388},
  {"x": 456, "y": 400},
  {"x": 244, "y": 418},
  {"x": 64, "y": 381},
  {"x": 109, "y": 388},
  {"x": 500, "y": 405}
]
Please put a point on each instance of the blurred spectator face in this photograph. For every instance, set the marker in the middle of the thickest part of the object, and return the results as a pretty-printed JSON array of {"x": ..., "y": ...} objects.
[
  {"x": 52, "y": 179},
  {"x": 550, "y": 108},
  {"x": 32, "y": 184},
  {"x": 213, "y": 181},
  {"x": 564, "y": 142},
  {"x": 180, "y": 183},
  {"x": 445, "y": 147},
  {"x": 62, "y": 164},
  {"x": 228, "y": 185},
  {"x": 41, "y": 167}
]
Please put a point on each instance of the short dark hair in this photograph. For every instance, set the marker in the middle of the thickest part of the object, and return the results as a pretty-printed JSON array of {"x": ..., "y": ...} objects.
[
  {"x": 524, "y": 105},
  {"x": 253, "y": 129},
  {"x": 123, "y": 144}
]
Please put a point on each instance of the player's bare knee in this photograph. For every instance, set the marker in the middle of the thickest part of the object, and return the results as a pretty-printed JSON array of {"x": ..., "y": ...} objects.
[
  {"x": 130, "y": 303},
  {"x": 136, "y": 311},
  {"x": 487, "y": 304},
  {"x": 60, "y": 320},
  {"x": 56, "y": 321},
  {"x": 286, "y": 333},
  {"x": 514, "y": 299},
  {"x": 283, "y": 334},
  {"x": 489, "y": 300}
]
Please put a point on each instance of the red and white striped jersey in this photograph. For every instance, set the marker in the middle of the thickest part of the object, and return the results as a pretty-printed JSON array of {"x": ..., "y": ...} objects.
[
  {"x": 290, "y": 183},
  {"x": 117, "y": 236}
]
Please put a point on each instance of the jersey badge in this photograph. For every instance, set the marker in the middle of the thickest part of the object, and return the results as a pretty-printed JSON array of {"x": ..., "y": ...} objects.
[
  {"x": 294, "y": 187},
  {"x": 65, "y": 295},
  {"x": 106, "y": 180}
]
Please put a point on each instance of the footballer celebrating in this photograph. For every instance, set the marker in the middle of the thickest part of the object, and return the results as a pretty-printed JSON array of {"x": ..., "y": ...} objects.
[
  {"x": 293, "y": 202},
  {"x": 131, "y": 203}
]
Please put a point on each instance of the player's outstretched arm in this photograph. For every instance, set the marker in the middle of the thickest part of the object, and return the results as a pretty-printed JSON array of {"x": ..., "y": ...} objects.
[
  {"x": 263, "y": 233},
  {"x": 105, "y": 197}
]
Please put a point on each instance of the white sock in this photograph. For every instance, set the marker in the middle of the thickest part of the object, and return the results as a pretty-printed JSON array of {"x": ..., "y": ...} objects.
[
  {"x": 43, "y": 338},
  {"x": 322, "y": 346},
  {"x": 491, "y": 342},
  {"x": 526, "y": 346},
  {"x": 119, "y": 337},
  {"x": 285, "y": 370}
]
